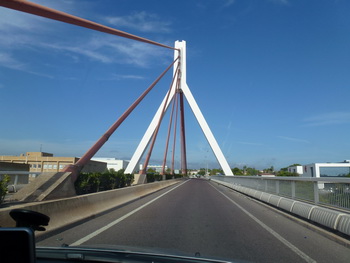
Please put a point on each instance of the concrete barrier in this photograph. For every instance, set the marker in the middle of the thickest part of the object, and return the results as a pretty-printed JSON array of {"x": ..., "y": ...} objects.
[
  {"x": 332, "y": 219},
  {"x": 66, "y": 211}
]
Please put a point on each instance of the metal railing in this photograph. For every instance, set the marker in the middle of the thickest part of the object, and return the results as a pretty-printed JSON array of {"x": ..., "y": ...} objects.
[{"x": 329, "y": 191}]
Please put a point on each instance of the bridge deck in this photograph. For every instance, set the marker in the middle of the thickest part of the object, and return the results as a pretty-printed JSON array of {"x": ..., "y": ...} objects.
[{"x": 201, "y": 216}]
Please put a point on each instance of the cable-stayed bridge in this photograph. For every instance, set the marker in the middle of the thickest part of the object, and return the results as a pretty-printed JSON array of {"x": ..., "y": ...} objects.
[{"x": 251, "y": 219}]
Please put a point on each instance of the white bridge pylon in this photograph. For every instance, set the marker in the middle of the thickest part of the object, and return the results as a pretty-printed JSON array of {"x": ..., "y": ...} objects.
[{"x": 180, "y": 52}]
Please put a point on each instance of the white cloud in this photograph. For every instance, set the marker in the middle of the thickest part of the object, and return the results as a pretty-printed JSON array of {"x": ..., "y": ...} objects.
[
  {"x": 12, "y": 20},
  {"x": 128, "y": 77},
  {"x": 22, "y": 32},
  {"x": 140, "y": 21},
  {"x": 293, "y": 139},
  {"x": 331, "y": 118},
  {"x": 8, "y": 61},
  {"x": 110, "y": 49},
  {"x": 251, "y": 143}
]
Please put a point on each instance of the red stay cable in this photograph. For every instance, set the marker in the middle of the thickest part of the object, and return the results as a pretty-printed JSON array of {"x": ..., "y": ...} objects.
[
  {"x": 40, "y": 10},
  {"x": 169, "y": 126},
  {"x": 175, "y": 128},
  {"x": 144, "y": 168},
  {"x": 76, "y": 168}
]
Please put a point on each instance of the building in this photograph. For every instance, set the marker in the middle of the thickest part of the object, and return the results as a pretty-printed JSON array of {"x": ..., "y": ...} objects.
[
  {"x": 113, "y": 163},
  {"x": 46, "y": 162},
  {"x": 6, "y": 166},
  {"x": 23, "y": 169},
  {"x": 296, "y": 169},
  {"x": 157, "y": 168},
  {"x": 323, "y": 169}
]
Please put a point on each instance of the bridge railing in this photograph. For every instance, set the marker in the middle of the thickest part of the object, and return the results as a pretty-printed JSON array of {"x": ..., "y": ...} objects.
[{"x": 328, "y": 191}]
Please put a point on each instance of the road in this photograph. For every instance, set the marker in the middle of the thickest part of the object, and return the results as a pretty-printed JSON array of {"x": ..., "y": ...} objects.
[{"x": 200, "y": 216}]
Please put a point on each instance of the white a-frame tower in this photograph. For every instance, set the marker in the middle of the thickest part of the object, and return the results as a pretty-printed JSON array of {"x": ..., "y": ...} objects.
[{"x": 181, "y": 53}]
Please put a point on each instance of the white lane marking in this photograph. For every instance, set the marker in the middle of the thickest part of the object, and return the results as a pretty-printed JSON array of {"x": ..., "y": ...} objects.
[
  {"x": 102, "y": 229},
  {"x": 271, "y": 231}
]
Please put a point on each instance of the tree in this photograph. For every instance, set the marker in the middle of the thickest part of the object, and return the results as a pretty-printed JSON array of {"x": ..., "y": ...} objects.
[
  {"x": 286, "y": 173},
  {"x": 216, "y": 171},
  {"x": 95, "y": 182},
  {"x": 296, "y": 164},
  {"x": 237, "y": 171},
  {"x": 201, "y": 171},
  {"x": 252, "y": 171},
  {"x": 269, "y": 170},
  {"x": 3, "y": 187},
  {"x": 151, "y": 170}
]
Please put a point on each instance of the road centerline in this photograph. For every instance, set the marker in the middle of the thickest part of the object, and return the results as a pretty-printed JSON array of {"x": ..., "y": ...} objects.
[{"x": 102, "y": 229}]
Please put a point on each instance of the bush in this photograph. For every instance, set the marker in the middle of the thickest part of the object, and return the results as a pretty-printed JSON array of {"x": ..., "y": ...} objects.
[
  {"x": 152, "y": 177},
  {"x": 95, "y": 182},
  {"x": 169, "y": 176},
  {"x": 87, "y": 183},
  {"x": 3, "y": 187},
  {"x": 129, "y": 179},
  {"x": 286, "y": 173}
]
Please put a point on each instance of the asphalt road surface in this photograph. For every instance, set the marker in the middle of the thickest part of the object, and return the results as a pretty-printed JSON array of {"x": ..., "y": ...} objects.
[{"x": 200, "y": 216}]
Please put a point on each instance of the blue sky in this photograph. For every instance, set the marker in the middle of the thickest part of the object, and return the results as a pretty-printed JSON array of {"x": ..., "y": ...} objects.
[{"x": 270, "y": 76}]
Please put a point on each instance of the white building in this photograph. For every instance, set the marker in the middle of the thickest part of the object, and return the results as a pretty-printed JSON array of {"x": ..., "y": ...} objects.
[
  {"x": 322, "y": 169},
  {"x": 296, "y": 169},
  {"x": 157, "y": 168},
  {"x": 113, "y": 163}
]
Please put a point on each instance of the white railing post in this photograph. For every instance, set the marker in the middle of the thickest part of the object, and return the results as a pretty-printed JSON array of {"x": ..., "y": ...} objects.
[
  {"x": 293, "y": 189},
  {"x": 316, "y": 194},
  {"x": 277, "y": 187}
]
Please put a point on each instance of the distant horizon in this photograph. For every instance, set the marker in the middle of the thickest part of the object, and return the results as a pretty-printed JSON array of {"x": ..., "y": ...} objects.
[{"x": 210, "y": 165}]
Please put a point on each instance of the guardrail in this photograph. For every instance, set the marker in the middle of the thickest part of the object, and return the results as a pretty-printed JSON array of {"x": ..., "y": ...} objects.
[
  {"x": 328, "y": 191},
  {"x": 285, "y": 191},
  {"x": 70, "y": 210}
]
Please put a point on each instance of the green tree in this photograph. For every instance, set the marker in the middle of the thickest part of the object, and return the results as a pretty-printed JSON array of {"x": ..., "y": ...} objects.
[
  {"x": 269, "y": 170},
  {"x": 237, "y": 171},
  {"x": 286, "y": 173},
  {"x": 87, "y": 183},
  {"x": 201, "y": 171},
  {"x": 95, "y": 182},
  {"x": 251, "y": 171},
  {"x": 151, "y": 170},
  {"x": 107, "y": 180},
  {"x": 216, "y": 171},
  {"x": 3, "y": 187}
]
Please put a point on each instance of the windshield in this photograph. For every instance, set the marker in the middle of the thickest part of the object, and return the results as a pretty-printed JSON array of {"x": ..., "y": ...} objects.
[{"x": 129, "y": 126}]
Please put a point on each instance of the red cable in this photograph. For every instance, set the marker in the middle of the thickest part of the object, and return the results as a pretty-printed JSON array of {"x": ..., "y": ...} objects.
[
  {"x": 183, "y": 136},
  {"x": 175, "y": 128},
  {"x": 169, "y": 127},
  {"x": 154, "y": 137},
  {"x": 39, "y": 10},
  {"x": 76, "y": 168}
]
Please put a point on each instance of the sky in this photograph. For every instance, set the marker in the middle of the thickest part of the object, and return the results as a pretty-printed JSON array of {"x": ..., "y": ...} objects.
[{"x": 271, "y": 77}]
